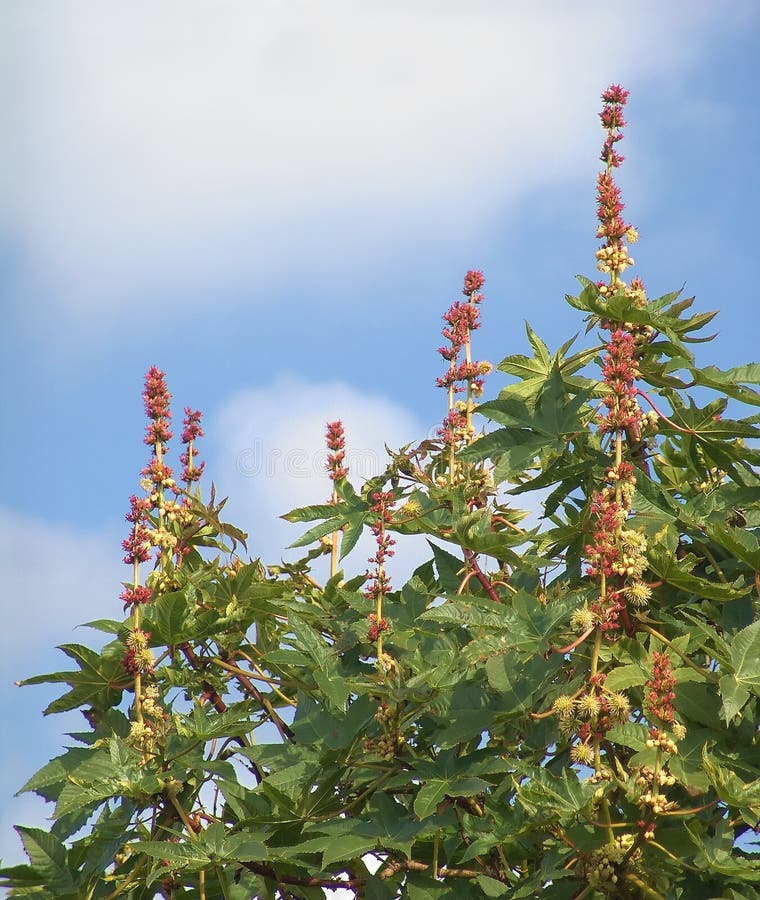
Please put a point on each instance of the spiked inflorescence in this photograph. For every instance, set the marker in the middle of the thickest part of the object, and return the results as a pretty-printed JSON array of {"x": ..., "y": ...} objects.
[
  {"x": 191, "y": 432},
  {"x": 463, "y": 374},
  {"x": 378, "y": 581},
  {"x": 336, "y": 444}
]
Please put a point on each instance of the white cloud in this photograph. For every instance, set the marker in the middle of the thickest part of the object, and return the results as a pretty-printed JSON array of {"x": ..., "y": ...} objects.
[
  {"x": 270, "y": 457},
  {"x": 174, "y": 150}
]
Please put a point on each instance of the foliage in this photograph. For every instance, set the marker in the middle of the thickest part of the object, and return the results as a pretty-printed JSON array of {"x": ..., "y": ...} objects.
[{"x": 568, "y": 710}]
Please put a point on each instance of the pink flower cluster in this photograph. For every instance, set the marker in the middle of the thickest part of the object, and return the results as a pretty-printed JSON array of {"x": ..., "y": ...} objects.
[
  {"x": 461, "y": 320},
  {"x": 191, "y": 432},
  {"x": 620, "y": 369},
  {"x": 157, "y": 399},
  {"x": 614, "y": 99},
  {"x": 336, "y": 444},
  {"x": 378, "y": 582},
  {"x": 612, "y": 257},
  {"x": 157, "y": 478},
  {"x": 602, "y": 552},
  {"x": 661, "y": 688}
]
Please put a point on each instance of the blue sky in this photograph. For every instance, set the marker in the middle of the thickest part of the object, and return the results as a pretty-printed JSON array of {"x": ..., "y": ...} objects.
[{"x": 275, "y": 202}]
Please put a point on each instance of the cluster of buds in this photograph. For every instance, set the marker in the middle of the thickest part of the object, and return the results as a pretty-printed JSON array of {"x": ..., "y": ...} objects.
[
  {"x": 590, "y": 715},
  {"x": 336, "y": 444},
  {"x": 652, "y": 781},
  {"x": 376, "y": 626},
  {"x": 378, "y": 582},
  {"x": 138, "y": 658},
  {"x": 148, "y": 733},
  {"x": 648, "y": 776},
  {"x": 190, "y": 433},
  {"x": 612, "y": 257},
  {"x": 603, "y": 867},
  {"x": 137, "y": 545},
  {"x": 609, "y": 514},
  {"x": 463, "y": 374},
  {"x": 152, "y": 517},
  {"x": 661, "y": 689},
  {"x": 384, "y": 714},
  {"x": 157, "y": 399},
  {"x": 620, "y": 370},
  {"x": 157, "y": 476},
  {"x": 615, "y": 550},
  {"x": 387, "y": 747}
]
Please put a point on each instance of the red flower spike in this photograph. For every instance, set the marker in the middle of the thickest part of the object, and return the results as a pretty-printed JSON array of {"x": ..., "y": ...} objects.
[
  {"x": 191, "y": 432},
  {"x": 461, "y": 376},
  {"x": 473, "y": 281},
  {"x": 192, "y": 425},
  {"x": 336, "y": 443},
  {"x": 157, "y": 399},
  {"x": 378, "y": 582},
  {"x": 661, "y": 689}
]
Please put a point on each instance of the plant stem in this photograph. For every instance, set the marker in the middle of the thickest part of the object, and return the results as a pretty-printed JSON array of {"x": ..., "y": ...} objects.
[
  {"x": 708, "y": 676},
  {"x": 335, "y": 548},
  {"x": 643, "y": 887}
]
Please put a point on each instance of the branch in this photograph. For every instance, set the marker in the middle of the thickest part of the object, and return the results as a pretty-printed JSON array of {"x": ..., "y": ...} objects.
[
  {"x": 413, "y": 865},
  {"x": 469, "y": 555}
]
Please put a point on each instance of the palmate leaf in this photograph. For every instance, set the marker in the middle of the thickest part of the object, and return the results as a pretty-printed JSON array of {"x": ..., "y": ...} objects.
[
  {"x": 47, "y": 864},
  {"x": 739, "y": 542},
  {"x": 54, "y": 773},
  {"x": 731, "y": 382},
  {"x": 519, "y": 683},
  {"x": 385, "y": 824},
  {"x": 205, "y": 723},
  {"x": 555, "y": 414},
  {"x": 675, "y": 572},
  {"x": 730, "y": 788},
  {"x": 662, "y": 314},
  {"x": 744, "y": 659},
  {"x": 100, "y": 679},
  {"x": 547, "y": 795},
  {"x": 447, "y": 776}
]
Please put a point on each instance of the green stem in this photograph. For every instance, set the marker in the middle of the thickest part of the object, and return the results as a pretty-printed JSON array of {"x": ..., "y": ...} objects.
[
  {"x": 334, "y": 550},
  {"x": 708, "y": 676},
  {"x": 468, "y": 360},
  {"x": 136, "y": 617},
  {"x": 643, "y": 887},
  {"x": 704, "y": 549}
]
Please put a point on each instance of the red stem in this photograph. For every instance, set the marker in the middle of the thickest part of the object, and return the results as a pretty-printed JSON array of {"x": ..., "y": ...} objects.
[{"x": 469, "y": 555}]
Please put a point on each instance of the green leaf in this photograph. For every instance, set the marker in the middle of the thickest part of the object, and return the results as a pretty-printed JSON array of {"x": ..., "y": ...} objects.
[
  {"x": 519, "y": 682},
  {"x": 205, "y": 723},
  {"x": 47, "y": 856},
  {"x": 623, "y": 677},
  {"x": 674, "y": 572},
  {"x": 564, "y": 797},
  {"x": 100, "y": 677},
  {"x": 491, "y": 887},
  {"x": 730, "y": 788},
  {"x": 735, "y": 687},
  {"x": 729, "y": 381},
  {"x": 190, "y": 855},
  {"x": 311, "y": 513},
  {"x": 56, "y": 772},
  {"x": 168, "y": 617},
  {"x": 446, "y": 776},
  {"x": 352, "y": 533},
  {"x": 739, "y": 542},
  {"x": 334, "y": 523}
]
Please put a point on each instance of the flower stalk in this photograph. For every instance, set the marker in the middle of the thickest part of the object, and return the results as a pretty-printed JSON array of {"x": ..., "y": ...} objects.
[{"x": 336, "y": 444}]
